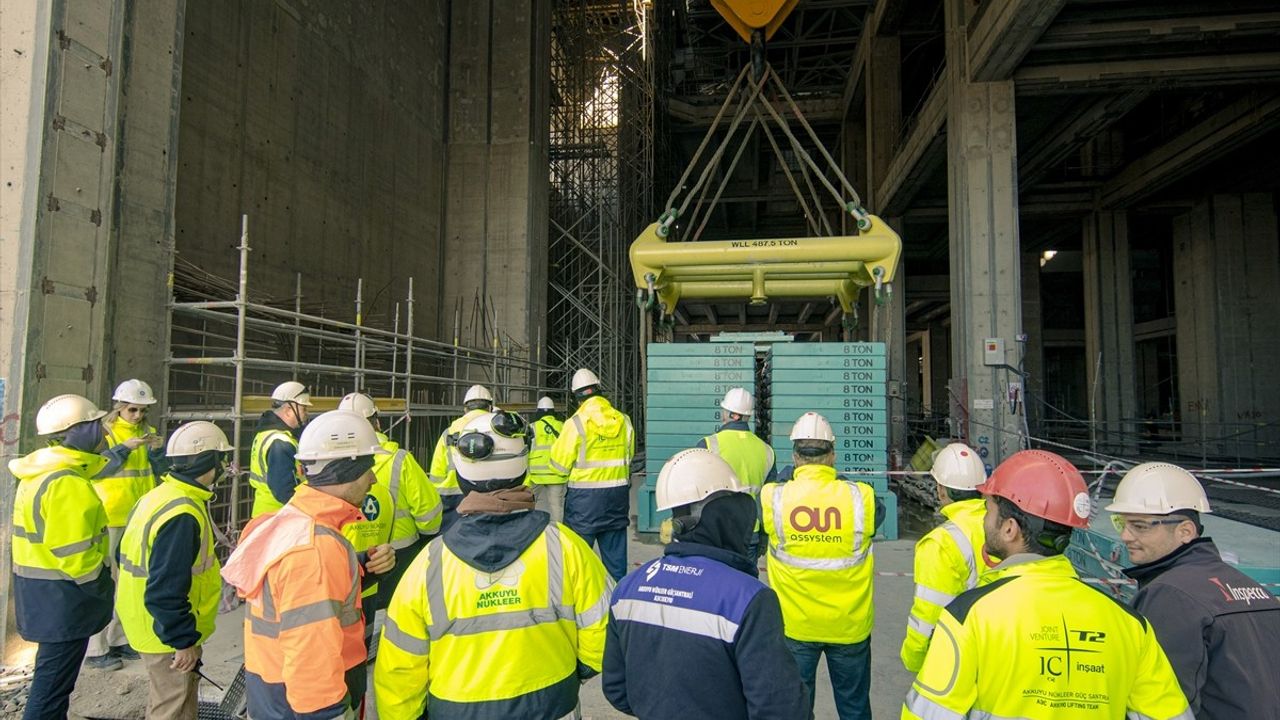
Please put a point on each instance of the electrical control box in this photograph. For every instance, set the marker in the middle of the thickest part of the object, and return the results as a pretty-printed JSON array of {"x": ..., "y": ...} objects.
[{"x": 993, "y": 352}]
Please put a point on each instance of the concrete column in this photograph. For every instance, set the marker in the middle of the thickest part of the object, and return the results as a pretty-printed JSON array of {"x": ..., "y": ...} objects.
[
  {"x": 982, "y": 184},
  {"x": 884, "y": 111},
  {"x": 497, "y": 183},
  {"x": 1227, "y": 279},
  {"x": 938, "y": 353},
  {"x": 1033, "y": 348},
  {"x": 889, "y": 326},
  {"x": 1109, "y": 352}
]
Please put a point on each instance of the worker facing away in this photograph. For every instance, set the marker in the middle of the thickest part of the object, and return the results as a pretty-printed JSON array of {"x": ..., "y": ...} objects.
[
  {"x": 1219, "y": 627},
  {"x": 273, "y": 470},
  {"x": 750, "y": 457},
  {"x": 443, "y": 474},
  {"x": 548, "y": 486},
  {"x": 503, "y": 615},
  {"x": 135, "y": 459},
  {"x": 949, "y": 559},
  {"x": 821, "y": 565},
  {"x": 1033, "y": 641},
  {"x": 695, "y": 633},
  {"x": 168, "y": 589},
  {"x": 62, "y": 587},
  {"x": 304, "y": 650},
  {"x": 594, "y": 453},
  {"x": 415, "y": 505}
]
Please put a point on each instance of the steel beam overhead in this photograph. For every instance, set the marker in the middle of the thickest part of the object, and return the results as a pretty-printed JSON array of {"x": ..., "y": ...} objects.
[
  {"x": 1190, "y": 71},
  {"x": 1004, "y": 32}
]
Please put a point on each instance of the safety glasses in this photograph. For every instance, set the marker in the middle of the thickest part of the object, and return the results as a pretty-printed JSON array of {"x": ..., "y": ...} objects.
[
  {"x": 134, "y": 411},
  {"x": 1141, "y": 527}
]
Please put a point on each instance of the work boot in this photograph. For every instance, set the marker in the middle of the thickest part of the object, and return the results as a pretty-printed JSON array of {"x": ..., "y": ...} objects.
[
  {"x": 124, "y": 652},
  {"x": 103, "y": 662}
]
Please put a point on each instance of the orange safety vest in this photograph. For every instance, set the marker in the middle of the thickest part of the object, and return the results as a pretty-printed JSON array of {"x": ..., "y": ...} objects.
[{"x": 301, "y": 580}]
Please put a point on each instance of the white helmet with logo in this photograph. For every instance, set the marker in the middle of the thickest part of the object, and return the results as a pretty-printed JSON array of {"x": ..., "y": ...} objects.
[
  {"x": 196, "y": 437},
  {"x": 61, "y": 412},
  {"x": 478, "y": 392},
  {"x": 336, "y": 435},
  {"x": 812, "y": 426},
  {"x": 358, "y": 403},
  {"x": 491, "y": 448},
  {"x": 1157, "y": 488},
  {"x": 958, "y": 467},
  {"x": 583, "y": 379},
  {"x": 135, "y": 392},
  {"x": 546, "y": 403},
  {"x": 692, "y": 476},
  {"x": 292, "y": 392},
  {"x": 739, "y": 401}
]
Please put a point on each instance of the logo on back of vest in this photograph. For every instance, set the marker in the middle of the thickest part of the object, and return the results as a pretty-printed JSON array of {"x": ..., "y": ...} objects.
[
  {"x": 1247, "y": 594},
  {"x": 371, "y": 507},
  {"x": 652, "y": 570},
  {"x": 805, "y": 518},
  {"x": 509, "y": 576}
]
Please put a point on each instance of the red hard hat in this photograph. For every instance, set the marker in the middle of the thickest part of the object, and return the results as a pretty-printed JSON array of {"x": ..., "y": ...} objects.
[{"x": 1043, "y": 484}]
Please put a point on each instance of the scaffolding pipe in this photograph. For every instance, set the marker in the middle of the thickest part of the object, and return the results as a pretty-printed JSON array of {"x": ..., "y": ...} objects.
[
  {"x": 297, "y": 321},
  {"x": 359, "y": 378},
  {"x": 395, "y": 354},
  {"x": 408, "y": 365},
  {"x": 242, "y": 295}
]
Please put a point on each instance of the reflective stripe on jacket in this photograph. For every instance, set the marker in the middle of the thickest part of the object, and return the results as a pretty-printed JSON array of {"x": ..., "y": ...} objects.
[
  {"x": 171, "y": 499},
  {"x": 442, "y": 473},
  {"x": 263, "y": 500},
  {"x": 948, "y": 561},
  {"x": 1035, "y": 642},
  {"x": 750, "y": 457},
  {"x": 377, "y": 513},
  {"x": 418, "y": 509},
  {"x": 304, "y": 626},
  {"x": 546, "y": 430},
  {"x": 820, "y": 560},
  {"x": 121, "y": 490},
  {"x": 463, "y": 643}
]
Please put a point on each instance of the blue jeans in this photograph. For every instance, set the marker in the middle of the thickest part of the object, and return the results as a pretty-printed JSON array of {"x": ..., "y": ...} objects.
[
  {"x": 613, "y": 550},
  {"x": 57, "y": 667},
  {"x": 850, "y": 670}
]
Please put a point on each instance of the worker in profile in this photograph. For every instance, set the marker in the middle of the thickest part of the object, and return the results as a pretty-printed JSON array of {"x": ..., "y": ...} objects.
[
  {"x": 750, "y": 457},
  {"x": 694, "y": 633},
  {"x": 547, "y": 485},
  {"x": 503, "y": 615},
  {"x": 949, "y": 558},
  {"x": 594, "y": 453},
  {"x": 1218, "y": 626},
  {"x": 273, "y": 472},
  {"x": 821, "y": 565},
  {"x": 1033, "y": 641},
  {"x": 444, "y": 476}
]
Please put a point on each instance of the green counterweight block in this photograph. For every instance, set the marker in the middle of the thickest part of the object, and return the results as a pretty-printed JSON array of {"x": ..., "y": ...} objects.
[
  {"x": 828, "y": 405},
  {"x": 678, "y": 362},
  {"x": 821, "y": 379},
  {"x": 702, "y": 349},
  {"x": 824, "y": 349},
  {"x": 728, "y": 376},
  {"x": 783, "y": 385},
  {"x": 830, "y": 362}
]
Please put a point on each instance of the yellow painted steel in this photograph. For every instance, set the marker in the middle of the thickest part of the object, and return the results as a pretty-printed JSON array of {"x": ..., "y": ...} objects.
[
  {"x": 746, "y": 16},
  {"x": 762, "y": 269}
]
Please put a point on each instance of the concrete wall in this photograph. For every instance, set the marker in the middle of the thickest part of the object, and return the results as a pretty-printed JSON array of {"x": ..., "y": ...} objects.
[{"x": 324, "y": 121}]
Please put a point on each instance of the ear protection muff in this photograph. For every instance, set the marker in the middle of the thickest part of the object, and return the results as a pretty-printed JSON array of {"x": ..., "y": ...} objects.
[{"x": 1054, "y": 541}]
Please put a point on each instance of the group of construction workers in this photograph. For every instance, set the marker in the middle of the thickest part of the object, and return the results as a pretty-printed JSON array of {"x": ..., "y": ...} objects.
[{"x": 474, "y": 601}]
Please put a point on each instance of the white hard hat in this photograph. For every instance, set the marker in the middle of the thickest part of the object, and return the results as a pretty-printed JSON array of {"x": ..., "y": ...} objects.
[
  {"x": 584, "y": 378},
  {"x": 335, "y": 435},
  {"x": 739, "y": 401},
  {"x": 478, "y": 392},
  {"x": 292, "y": 391},
  {"x": 546, "y": 403},
  {"x": 196, "y": 437},
  {"x": 135, "y": 392},
  {"x": 694, "y": 475},
  {"x": 490, "y": 447},
  {"x": 63, "y": 411},
  {"x": 1157, "y": 488},
  {"x": 958, "y": 467},
  {"x": 358, "y": 403},
  {"x": 812, "y": 426}
]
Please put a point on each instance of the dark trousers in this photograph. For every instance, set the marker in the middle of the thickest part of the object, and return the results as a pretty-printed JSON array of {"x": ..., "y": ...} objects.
[
  {"x": 613, "y": 550},
  {"x": 57, "y": 667},
  {"x": 850, "y": 669}
]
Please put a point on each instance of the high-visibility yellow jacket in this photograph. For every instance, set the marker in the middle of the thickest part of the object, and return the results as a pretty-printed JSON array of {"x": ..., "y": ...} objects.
[
  {"x": 122, "y": 489},
  {"x": 948, "y": 561},
  {"x": 171, "y": 499},
  {"x": 820, "y": 561},
  {"x": 462, "y": 642},
  {"x": 264, "y": 501},
  {"x": 1035, "y": 642},
  {"x": 594, "y": 452},
  {"x": 546, "y": 430},
  {"x": 442, "y": 473},
  {"x": 750, "y": 457},
  {"x": 417, "y": 503},
  {"x": 377, "y": 513}
]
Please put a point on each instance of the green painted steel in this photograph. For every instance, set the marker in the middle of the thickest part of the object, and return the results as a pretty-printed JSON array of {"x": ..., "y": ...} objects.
[
  {"x": 823, "y": 378},
  {"x": 821, "y": 349},
  {"x": 702, "y": 349},
  {"x": 829, "y": 362},
  {"x": 860, "y": 423},
  {"x": 709, "y": 413},
  {"x": 734, "y": 378},
  {"x": 784, "y": 388},
  {"x": 694, "y": 430},
  {"x": 684, "y": 400},
  {"x": 828, "y": 405},
  {"x": 683, "y": 362}
]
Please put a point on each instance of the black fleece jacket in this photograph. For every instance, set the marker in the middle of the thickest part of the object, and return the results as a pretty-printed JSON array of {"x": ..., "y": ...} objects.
[{"x": 167, "y": 596}]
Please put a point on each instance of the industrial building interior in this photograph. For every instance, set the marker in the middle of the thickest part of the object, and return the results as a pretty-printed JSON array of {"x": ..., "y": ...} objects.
[{"x": 406, "y": 198}]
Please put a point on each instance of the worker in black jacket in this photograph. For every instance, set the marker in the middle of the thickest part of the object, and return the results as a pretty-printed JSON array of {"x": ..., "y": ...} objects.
[
  {"x": 1219, "y": 627},
  {"x": 694, "y": 633}
]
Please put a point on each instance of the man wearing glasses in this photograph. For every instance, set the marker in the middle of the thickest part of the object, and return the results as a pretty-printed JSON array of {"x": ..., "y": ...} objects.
[{"x": 1219, "y": 627}]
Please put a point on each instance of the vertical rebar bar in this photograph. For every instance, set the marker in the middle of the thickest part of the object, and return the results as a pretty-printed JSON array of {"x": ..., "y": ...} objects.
[
  {"x": 297, "y": 321},
  {"x": 359, "y": 360},
  {"x": 237, "y": 403},
  {"x": 408, "y": 366},
  {"x": 395, "y": 349}
]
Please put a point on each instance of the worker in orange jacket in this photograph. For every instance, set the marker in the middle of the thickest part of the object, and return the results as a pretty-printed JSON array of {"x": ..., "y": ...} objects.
[{"x": 304, "y": 650}]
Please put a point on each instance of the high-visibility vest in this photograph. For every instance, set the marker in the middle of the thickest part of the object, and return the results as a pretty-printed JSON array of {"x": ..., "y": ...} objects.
[
  {"x": 545, "y": 431},
  {"x": 418, "y": 510},
  {"x": 948, "y": 561},
  {"x": 374, "y": 528},
  {"x": 461, "y": 642},
  {"x": 442, "y": 473},
  {"x": 750, "y": 457},
  {"x": 59, "y": 525},
  {"x": 820, "y": 561},
  {"x": 263, "y": 501},
  {"x": 134, "y": 478},
  {"x": 595, "y": 448},
  {"x": 170, "y": 500},
  {"x": 1037, "y": 643}
]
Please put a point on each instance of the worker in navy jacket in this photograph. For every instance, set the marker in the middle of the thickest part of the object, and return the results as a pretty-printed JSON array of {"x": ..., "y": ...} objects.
[{"x": 695, "y": 633}]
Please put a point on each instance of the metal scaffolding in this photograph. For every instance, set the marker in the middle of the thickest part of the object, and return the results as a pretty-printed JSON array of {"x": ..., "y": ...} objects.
[{"x": 602, "y": 138}]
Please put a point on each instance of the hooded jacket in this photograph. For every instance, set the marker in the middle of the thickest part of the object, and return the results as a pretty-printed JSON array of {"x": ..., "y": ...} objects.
[
  {"x": 1219, "y": 627},
  {"x": 595, "y": 451}
]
